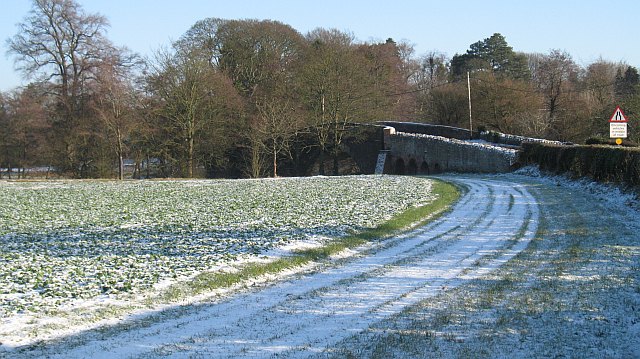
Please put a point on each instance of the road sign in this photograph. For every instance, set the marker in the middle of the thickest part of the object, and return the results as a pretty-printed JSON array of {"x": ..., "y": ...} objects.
[
  {"x": 618, "y": 125},
  {"x": 618, "y": 130},
  {"x": 618, "y": 116}
]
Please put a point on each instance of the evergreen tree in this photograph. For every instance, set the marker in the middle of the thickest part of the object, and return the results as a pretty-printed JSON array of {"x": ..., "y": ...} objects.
[
  {"x": 491, "y": 54},
  {"x": 626, "y": 85}
]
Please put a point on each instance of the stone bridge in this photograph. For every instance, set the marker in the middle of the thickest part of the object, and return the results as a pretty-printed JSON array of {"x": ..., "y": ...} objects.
[{"x": 413, "y": 148}]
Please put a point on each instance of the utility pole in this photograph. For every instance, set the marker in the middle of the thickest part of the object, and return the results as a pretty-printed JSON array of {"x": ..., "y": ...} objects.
[{"x": 470, "y": 120}]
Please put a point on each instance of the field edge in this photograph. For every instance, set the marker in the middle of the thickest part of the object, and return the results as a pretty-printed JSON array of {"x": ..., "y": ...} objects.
[{"x": 446, "y": 194}]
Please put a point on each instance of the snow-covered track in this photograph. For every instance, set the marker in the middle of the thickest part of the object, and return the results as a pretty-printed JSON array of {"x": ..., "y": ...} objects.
[{"x": 494, "y": 220}]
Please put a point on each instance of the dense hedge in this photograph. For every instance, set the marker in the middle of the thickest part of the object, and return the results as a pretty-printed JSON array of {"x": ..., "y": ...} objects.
[
  {"x": 602, "y": 163},
  {"x": 609, "y": 141}
]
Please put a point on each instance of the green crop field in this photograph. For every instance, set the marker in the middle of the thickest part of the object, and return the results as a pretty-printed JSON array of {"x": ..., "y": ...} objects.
[{"x": 67, "y": 241}]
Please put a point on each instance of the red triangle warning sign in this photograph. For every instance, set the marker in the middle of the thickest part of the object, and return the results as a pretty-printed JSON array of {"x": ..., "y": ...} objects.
[{"x": 618, "y": 116}]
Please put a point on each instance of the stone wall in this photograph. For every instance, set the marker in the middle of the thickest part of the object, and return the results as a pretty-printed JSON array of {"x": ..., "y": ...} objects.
[
  {"x": 429, "y": 129},
  {"x": 412, "y": 153},
  {"x": 363, "y": 143},
  {"x": 514, "y": 140}
]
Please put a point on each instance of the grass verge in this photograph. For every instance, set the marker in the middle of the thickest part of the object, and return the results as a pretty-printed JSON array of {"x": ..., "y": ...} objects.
[{"x": 446, "y": 194}]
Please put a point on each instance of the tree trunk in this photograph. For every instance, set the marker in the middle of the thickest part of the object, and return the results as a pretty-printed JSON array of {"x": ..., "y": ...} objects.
[
  {"x": 120, "y": 156},
  {"x": 190, "y": 160},
  {"x": 321, "y": 169},
  {"x": 136, "y": 168},
  {"x": 148, "y": 165},
  {"x": 120, "y": 168},
  {"x": 255, "y": 160},
  {"x": 21, "y": 169},
  {"x": 275, "y": 162},
  {"x": 321, "y": 163}
]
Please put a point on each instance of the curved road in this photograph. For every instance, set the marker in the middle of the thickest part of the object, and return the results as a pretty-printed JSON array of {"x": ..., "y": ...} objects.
[{"x": 494, "y": 220}]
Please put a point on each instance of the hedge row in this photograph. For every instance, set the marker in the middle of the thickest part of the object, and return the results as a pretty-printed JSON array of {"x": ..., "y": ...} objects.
[{"x": 602, "y": 163}]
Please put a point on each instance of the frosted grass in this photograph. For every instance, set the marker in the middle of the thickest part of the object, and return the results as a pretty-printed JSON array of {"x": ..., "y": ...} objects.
[{"x": 69, "y": 240}]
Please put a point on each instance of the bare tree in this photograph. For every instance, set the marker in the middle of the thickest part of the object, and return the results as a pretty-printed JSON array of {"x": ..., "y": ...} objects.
[
  {"x": 502, "y": 103},
  {"x": 555, "y": 76},
  {"x": 433, "y": 71},
  {"x": 5, "y": 133},
  {"x": 598, "y": 96},
  {"x": 387, "y": 73},
  {"x": 278, "y": 125},
  {"x": 342, "y": 83},
  {"x": 448, "y": 105},
  {"x": 259, "y": 57},
  {"x": 194, "y": 99},
  {"x": 114, "y": 101},
  {"x": 59, "y": 43},
  {"x": 24, "y": 128}
]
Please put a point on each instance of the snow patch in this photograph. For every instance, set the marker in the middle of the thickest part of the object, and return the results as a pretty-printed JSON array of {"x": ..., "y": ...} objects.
[{"x": 610, "y": 193}]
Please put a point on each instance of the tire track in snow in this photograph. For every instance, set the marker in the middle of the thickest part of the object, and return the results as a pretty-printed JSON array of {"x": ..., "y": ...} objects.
[{"x": 493, "y": 222}]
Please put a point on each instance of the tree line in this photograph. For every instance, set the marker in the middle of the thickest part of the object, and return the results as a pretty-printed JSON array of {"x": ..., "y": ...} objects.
[{"x": 237, "y": 98}]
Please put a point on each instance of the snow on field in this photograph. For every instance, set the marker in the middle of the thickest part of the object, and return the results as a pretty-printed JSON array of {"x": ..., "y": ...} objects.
[
  {"x": 82, "y": 251},
  {"x": 494, "y": 221}
]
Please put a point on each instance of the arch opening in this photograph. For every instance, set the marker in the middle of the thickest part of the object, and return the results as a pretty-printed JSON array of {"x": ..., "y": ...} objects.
[
  {"x": 412, "y": 168},
  {"x": 424, "y": 168},
  {"x": 399, "y": 167}
]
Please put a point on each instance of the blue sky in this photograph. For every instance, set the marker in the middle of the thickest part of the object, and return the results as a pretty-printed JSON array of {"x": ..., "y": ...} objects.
[{"x": 586, "y": 29}]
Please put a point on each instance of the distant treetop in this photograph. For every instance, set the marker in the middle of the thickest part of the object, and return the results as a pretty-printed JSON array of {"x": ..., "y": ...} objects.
[{"x": 491, "y": 54}]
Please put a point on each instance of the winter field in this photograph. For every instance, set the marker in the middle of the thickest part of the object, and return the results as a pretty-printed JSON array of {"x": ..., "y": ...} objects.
[
  {"x": 521, "y": 266},
  {"x": 88, "y": 250}
]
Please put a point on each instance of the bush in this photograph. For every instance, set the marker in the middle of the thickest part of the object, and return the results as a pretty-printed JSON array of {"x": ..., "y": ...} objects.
[{"x": 602, "y": 163}]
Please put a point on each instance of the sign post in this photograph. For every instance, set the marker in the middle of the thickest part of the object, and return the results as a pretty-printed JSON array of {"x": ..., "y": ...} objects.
[{"x": 618, "y": 125}]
